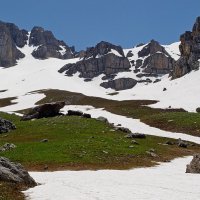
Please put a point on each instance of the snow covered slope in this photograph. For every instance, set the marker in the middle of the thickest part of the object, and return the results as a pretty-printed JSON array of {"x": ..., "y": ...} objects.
[
  {"x": 164, "y": 182},
  {"x": 32, "y": 74}
]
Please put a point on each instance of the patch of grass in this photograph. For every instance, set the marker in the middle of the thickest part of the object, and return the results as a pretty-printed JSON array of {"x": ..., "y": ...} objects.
[
  {"x": 175, "y": 121},
  {"x": 10, "y": 191},
  {"x": 80, "y": 143},
  {"x": 7, "y": 101}
]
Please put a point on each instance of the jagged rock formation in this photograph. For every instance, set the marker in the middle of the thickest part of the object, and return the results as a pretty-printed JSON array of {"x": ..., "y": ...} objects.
[
  {"x": 120, "y": 84},
  {"x": 194, "y": 166},
  {"x": 190, "y": 52},
  {"x": 6, "y": 126},
  {"x": 45, "y": 110},
  {"x": 11, "y": 37},
  {"x": 104, "y": 58},
  {"x": 153, "y": 59},
  {"x": 48, "y": 46},
  {"x": 15, "y": 173}
]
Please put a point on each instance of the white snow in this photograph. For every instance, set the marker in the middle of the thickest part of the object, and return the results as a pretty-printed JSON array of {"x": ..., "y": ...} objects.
[
  {"x": 164, "y": 182},
  {"x": 31, "y": 75},
  {"x": 135, "y": 125}
]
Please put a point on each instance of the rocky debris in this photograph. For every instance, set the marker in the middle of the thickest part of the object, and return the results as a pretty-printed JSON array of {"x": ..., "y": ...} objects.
[
  {"x": 169, "y": 142},
  {"x": 78, "y": 113},
  {"x": 136, "y": 135},
  {"x": 44, "y": 111},
  {"x": 15, "y": 173},
  {"x": 99, "y": 60},
  {"x": 102, "y": 119},
  {"x": 157, "y": 80},
  {"x": 44, "y": 141},
  {"x": 140, "y": 75},
  {"x": 182, "y": 143},
  {"x": 86, "y": 115},
  {"x": 7, "y": 147},
  {"x": 6, "y": 126},
  {"x": 157, "y": 60},
  {"x": 152, "y": 153},
  {"x": 190, "y": 52},
  {"x": 11, "y": 38},
  {"x": 74, "y": 112},
  {"x": 48, "y": 46},
  {"x": 123, "y": 129},
  {"x": 164, "y": 89},
  {"x": 134, "y": 142},
  {"x": 120, "y": 84},
  {"x": 194, "y": 166}
]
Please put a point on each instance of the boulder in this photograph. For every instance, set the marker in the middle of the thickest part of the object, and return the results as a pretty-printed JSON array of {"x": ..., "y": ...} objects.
[
  {"x": 7, "y": 147},
  {"x": 119, "y": 84},
  {"x": 194, "y": 166},
  {"x": 74, "y": 112},
  {"x": 136, "y": 135},
  {"x": 86, "y": 115},
  {"x": 102, "y": 119},
  {"x": 45, "y": 110},
  {"x": 198, "y": 110},
  {"x": 48, "y": 46},
  {"x": 6, "y": 126},
  {"x": 15, "y": 173}
]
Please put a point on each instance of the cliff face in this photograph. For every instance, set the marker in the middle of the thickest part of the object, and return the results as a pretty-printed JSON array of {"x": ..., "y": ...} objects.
[
  {"x": 11, "y": 37},
  {"x": 104, "y": 58},
  {"x": 190, "y": 52}
]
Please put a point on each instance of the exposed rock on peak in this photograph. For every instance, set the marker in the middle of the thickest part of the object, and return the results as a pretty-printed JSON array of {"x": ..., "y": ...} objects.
[
  {"x": 10, "y": 38},
  {"x": 47, "y": 45},
  {"x": 152, "y": 48},
  {"x": 190, "y": 52},
  {"x": 153, "y": 59},
  {"x": 104, "y": 58},
  {"x": 103, "y": 48}
]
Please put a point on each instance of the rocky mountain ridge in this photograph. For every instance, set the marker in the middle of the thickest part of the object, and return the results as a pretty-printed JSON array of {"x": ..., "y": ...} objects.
[{"x": 143, "y": 64}]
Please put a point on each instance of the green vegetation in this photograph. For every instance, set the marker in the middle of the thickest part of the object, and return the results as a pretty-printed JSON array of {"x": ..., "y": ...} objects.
[
  {"x": 80, "y": 143},
  {"x": 176, "y": 121}
]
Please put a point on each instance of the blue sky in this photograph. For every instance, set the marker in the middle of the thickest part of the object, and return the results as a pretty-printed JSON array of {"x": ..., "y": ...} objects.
[{"x": 83, "y": 23}]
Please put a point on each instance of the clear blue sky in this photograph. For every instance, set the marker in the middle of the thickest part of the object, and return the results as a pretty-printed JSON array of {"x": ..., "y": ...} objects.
[{"x": 83, "y": 23}]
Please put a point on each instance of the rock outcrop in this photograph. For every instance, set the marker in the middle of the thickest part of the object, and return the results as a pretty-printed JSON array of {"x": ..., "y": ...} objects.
[
  {"x": 44, "y": 111},
  {"x": 120, "y": 84},
  {"x": 194, "y": 166},
  {"x": 6, "y": 126},
  {"x": 14, "y": 173},
  {"x": 48, "y": 46},
  {"x": 11, "y": 37},
  {"x": 190, "y": 52},
  {"x": 157, "y": 60},
  {"x": 104, "y": 58}
]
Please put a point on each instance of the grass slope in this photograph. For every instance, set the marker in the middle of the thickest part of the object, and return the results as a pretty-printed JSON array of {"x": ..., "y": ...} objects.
[{"x": 80, "y": 143}]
